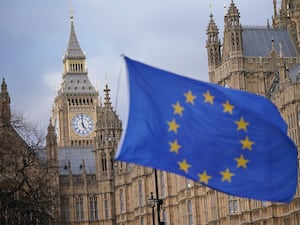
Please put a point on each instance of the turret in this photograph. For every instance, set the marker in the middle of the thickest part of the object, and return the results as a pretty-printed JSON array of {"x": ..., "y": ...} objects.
[
  {"x": 108, "y": 133},
  {"x": 5, "y": 114},
  {"x": 232, "y": 45},
  {"x": 51, "y": 145},
  {"x": 213, "y": 45}
]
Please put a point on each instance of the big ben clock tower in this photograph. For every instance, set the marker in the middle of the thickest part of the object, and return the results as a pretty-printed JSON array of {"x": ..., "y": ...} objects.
[
  {"x": 81, "y": 150},
  {"x": 74, "y": 111}
]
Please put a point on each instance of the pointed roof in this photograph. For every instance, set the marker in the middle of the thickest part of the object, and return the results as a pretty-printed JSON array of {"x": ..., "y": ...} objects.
[
  {"x": 51, "y": 135},
  {"x": 73, "y": 50},
  {"x": 75, "y": 82},
  {"x": 107, "y": 103},
  {"x": 71, "y": 158},
  {"x": 233, "y": 11},
  {"x": 4, "y": 93},
  {"x": 212, "y": 25},
  {"x": 3, "y": 86},
  {"x": 108, "y": 118},
  {"x": 259, "y": 41}
]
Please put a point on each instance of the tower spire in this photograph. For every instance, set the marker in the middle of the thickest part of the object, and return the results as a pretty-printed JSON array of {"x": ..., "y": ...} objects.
[
  {"x": 73, "y": 49},
  {"x": 74, "y": 59},
  {"x": 5, "y": 114}
]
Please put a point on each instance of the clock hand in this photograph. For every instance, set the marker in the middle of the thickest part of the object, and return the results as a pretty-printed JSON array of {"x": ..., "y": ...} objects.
[{"x": 82, "y": 123}]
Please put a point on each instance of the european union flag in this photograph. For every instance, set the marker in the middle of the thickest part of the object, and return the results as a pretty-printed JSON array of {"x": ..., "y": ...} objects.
[{"x": 232, "y": 141}]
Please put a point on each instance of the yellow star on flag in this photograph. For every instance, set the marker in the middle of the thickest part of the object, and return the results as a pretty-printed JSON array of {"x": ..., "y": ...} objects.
[
  {"x": 241, "y": 162},
  {"x": 174, "y": 146},
  {"x": 208, "y": 97},
  {"x": 228, "y": 107},
  {"x": 189, "y": 97},
  {"x": 184, "y": 166},
  {"x": 226, "y": 175},
  {"x": 203, "y": 177},
  {"x": 178, "y": 109},
  {"x": 173, "y": 126},
  {"x": 242, "y": 124},
  {"x": 247, "y": 144}
]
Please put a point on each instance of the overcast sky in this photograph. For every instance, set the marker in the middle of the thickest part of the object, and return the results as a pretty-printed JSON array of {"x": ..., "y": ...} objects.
[{"x": 169, "y": 34}]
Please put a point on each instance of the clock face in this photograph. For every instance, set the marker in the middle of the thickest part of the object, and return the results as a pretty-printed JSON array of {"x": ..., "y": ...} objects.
[{"x": 82, "y": 124}]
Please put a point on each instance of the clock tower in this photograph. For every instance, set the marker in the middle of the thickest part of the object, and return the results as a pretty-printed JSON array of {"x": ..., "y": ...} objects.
[{"x": 75, "y": 106}]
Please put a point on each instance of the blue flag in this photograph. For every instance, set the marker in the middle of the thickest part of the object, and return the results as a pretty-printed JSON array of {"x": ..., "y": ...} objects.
[{"x": 232, "y": 141}]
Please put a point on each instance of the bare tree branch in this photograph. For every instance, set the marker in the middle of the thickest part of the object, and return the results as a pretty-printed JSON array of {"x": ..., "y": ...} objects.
[{"x": 28, "y": 193}]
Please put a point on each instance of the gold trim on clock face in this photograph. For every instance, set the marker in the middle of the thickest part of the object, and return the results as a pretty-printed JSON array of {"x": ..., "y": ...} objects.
[{"x": 82, "y": 124}]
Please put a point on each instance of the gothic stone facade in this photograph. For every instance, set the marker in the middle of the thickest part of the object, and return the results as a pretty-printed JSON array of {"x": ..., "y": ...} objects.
[{"x": 94, "y": 189}]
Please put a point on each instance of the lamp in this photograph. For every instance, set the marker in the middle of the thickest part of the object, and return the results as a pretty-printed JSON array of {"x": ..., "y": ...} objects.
[
  {"x": 156, "y": 201},
  {"x": 152, "y": 203}
]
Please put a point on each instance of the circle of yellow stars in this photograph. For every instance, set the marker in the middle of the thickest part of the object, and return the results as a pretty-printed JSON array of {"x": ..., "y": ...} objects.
[{"x": 242, "y": 125}]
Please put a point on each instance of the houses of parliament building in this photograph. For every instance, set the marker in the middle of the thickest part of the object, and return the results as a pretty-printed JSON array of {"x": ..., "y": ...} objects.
[{"x": 84, "y": 133}]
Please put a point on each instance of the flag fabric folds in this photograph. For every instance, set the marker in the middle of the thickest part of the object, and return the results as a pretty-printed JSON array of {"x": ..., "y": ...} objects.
[{"x": 229, "y": 140}]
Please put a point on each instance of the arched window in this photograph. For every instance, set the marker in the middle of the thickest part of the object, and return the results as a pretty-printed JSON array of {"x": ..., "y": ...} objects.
[
  {"x": 232, "y": 204},
  {"x": 165, "y": 216},
  {"x": 232, "y": 42},
  {"x": 162, "y": 185},
  {"x": 122, "y": 209},
  {"x": 79, "y": 208},
  {"x": 104, "y": 162},
  {"x": 190, "y": 212},
  {"x": 93, "y": 208},
  {"x": 106, "y": 209},
  {"x": 140, "y": 191},
  {"x": 112, "y": 160},
  {"x": 65, "y": 209}
]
